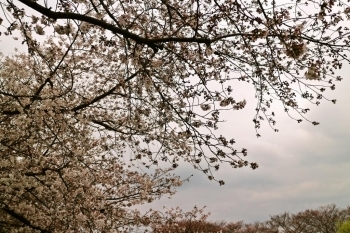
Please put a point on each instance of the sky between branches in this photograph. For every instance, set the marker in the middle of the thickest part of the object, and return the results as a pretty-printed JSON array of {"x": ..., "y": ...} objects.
[{"x": 300, "y": 167}]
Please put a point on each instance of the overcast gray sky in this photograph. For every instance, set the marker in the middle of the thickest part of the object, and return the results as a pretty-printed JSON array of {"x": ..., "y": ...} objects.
[{"x": 301, "y": 167}]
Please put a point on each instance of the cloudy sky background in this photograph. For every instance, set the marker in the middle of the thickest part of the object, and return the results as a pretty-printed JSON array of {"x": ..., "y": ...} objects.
[{"x": 300, "y": 167}]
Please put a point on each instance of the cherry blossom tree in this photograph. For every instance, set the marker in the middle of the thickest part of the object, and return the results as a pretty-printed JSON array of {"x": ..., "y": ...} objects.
[
  {"x": 204, "y": 226},
  {"x": 190, "y": 226},
  {"x": 108, "y": 88},
  {"x": 194, "y": 221}
]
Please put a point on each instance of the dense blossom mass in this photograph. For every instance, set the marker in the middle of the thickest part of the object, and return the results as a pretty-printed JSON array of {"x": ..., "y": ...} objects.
[{"x": 109, "y": 88}]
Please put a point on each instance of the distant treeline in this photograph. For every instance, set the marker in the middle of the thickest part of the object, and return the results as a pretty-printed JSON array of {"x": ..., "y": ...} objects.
[{"x": 325, "y": 219}]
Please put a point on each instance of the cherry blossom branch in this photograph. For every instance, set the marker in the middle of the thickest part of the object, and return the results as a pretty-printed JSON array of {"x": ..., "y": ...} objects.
[
  {"x": 23, "y": 219},
  {"x": 127, "y": 34},
  {"x": 97, "y": 98}
]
